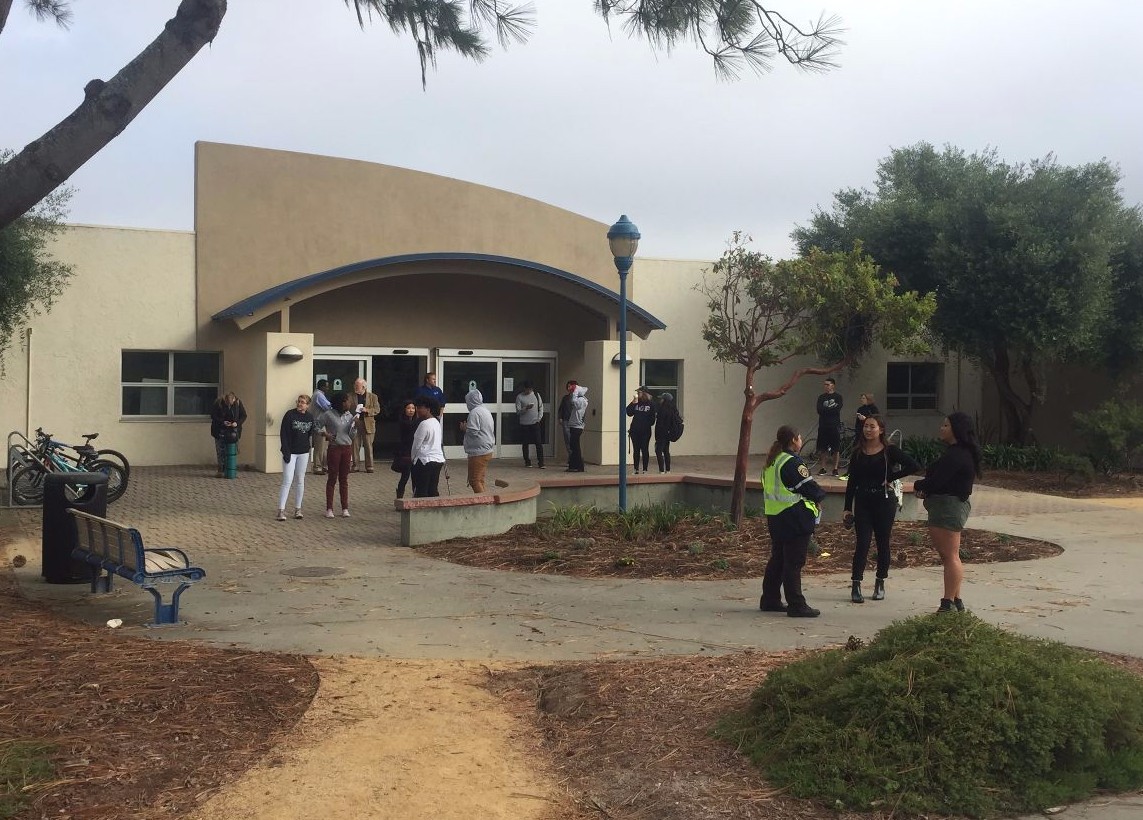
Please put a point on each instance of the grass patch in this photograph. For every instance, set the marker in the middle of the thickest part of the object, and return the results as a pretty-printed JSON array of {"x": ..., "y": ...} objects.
[
  {"x": 23, "y": 765},
  {"x": 635, "y": 524},
  {"x": 946, "y": 714}
]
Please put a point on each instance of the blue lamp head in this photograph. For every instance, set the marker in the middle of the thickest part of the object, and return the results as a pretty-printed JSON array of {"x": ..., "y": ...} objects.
[{"x": 623, "y": 237}]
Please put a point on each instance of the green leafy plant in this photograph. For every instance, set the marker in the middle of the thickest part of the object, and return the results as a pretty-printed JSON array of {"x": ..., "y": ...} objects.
[
  {"x": 721, "y": 564},
  {"x": 550, "y": 555},
  {"x": 915, "y": 539},
  {"x": 946, "y": 714},
  {"x": 625, "y": 561},
  {"x": 924, "y": 450},
  {"x": 1076, "y": 468},
  {"x": 696, "y": 548},
  {"x": 1018, "y": 457},
  {"x": 1114, "y": 434}
]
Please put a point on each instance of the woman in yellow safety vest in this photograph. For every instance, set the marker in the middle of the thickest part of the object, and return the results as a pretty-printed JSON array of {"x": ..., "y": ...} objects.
[{"x": 792, "y": 512}]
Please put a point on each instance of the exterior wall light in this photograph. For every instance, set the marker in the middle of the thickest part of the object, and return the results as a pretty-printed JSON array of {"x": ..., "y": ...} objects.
[{"x": 289, "y": 353}]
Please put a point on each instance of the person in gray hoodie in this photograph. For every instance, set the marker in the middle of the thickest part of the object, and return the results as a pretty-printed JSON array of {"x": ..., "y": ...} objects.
[
  {"x": 575, "y": 425},
  {"x": 479, "y": 439}
]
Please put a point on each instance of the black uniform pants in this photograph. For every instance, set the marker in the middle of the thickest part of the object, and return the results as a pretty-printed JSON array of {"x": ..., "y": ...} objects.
[
  {"x": 873, "y": 516},
  {"x": 784, "y": 571}
]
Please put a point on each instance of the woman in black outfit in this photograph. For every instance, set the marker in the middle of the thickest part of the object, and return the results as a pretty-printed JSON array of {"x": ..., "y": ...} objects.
[
  {"x": 945, "y": 489},
  {"x": 867, "y": 409},
  {"x": 667, "y": 424},
  {"x": 642, "y": 413},
  {"x": 870, "y": 503},
  {"x": 407, "y": 426}
]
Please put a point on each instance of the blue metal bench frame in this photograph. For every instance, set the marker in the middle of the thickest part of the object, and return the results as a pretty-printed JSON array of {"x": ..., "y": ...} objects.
[{"x": 116, "y": 549}]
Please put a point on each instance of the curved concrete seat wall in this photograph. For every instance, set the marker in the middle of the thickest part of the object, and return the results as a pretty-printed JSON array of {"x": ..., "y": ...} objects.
[{"x": 428, "y": 520}]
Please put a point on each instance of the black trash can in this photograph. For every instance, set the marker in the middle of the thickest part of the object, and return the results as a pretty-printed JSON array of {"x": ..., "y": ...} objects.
[{"x": 86, "y": 492}]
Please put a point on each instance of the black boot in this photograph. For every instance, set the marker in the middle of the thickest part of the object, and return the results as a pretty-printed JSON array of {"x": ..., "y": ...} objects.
[
  {"x": 879, "y": 589},
  {"x": 959, "y": 604},
  {"x": 946, "y": 605},
  {"x": 855, "y": 593}
]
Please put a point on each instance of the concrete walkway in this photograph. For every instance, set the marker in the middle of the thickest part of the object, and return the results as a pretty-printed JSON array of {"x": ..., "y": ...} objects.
[
  {"x": 264, "y": 590},
  {"x": 341, "y": 586}
]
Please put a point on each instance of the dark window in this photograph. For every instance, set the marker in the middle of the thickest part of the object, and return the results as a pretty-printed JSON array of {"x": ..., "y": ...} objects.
[
  {"x": 912, "y": 386},
  {"x": 169, "y": 383},
  {"x": 663, "y": 376}
]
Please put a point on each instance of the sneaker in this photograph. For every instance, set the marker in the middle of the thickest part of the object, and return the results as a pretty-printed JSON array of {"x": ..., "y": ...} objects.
[
  {"x": 946, "y": 605},
  {"x": 821, "y": 471},
  {"x": 542, "y": 467},
  {"x": 329, "y": 513},
  {"x": 959, "y": 604},
  {"x": 527, "y": 464},
  {"x": 805, "y": 611},
  {"x": 298, "y": 514},
  {"x": 835, "y": 474},
  {"x": 281, "y": 515},
  {"x": 345, "y": 513},
  {"x": 771, "y": 606},
  {"x": 368, "y": 469}
]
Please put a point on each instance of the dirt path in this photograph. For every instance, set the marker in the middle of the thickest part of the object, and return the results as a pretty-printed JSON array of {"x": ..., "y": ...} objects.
[{"x": 388, "y": 739}]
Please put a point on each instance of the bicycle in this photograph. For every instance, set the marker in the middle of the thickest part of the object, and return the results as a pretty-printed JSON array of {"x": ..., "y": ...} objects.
[
  {"x": 813, "y": 458},
  {"x": 50, "y": 456}
]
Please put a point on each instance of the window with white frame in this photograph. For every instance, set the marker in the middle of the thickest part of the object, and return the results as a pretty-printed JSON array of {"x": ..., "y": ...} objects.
[
  {"x": 912, "y": 385},
  {"x": 169, "y": 383},
  {"x": 663, "y": 376}
]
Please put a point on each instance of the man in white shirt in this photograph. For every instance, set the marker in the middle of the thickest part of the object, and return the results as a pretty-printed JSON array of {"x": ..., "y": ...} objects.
[{"x": 427, "y": 453}]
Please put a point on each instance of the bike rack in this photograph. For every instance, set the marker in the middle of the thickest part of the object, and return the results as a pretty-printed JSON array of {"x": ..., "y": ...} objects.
[{"x": 18, "y": 444}]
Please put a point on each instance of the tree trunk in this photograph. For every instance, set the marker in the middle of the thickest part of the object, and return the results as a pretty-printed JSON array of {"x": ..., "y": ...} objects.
[
  {"x": 749, "y": 406},
  {"x": 107, "y": 108},
  {"x": 1016, "y": 412}
]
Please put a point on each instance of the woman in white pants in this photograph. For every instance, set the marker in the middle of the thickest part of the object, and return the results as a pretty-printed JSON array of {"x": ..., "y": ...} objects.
[{"x": 297, "y": 431}]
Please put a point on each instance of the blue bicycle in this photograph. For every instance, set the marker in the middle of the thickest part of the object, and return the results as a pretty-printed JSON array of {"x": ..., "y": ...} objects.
[{"x": 50, "y": 456}]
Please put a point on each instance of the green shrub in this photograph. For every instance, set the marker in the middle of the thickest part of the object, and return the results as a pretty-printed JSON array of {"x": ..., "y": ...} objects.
[
  {"x": 21, "y": 764},
  {"x": 946, "y": 714},
  {"x": 1019, "y": 457},
  {"x": 1076, "y": 467},
  {"x": 924, "y": 450},
  {"x": 1114, "y": 434}
]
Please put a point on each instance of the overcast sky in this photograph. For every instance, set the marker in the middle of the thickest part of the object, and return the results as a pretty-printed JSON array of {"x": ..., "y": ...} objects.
[{"x": 592, "y": 121}]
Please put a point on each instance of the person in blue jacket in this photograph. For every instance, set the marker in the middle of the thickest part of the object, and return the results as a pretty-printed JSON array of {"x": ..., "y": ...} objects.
[{"x": 792, "y": 513}]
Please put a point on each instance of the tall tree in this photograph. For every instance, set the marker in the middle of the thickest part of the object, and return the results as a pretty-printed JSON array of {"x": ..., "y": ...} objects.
[
  {"x": 1019, "y": 256},
  {"x": 815, "y": 315},
  {"x": 737, "y": 34}
]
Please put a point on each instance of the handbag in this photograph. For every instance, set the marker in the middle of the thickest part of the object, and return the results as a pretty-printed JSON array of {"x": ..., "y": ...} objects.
[{"x": 396, "y": 465}]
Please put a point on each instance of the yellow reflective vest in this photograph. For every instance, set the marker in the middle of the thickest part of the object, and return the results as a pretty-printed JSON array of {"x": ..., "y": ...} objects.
[{"x": 779, "y": 497}]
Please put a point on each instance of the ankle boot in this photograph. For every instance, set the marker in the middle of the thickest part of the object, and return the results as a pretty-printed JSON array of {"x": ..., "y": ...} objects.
[
  {"x": 855, "y": 594},
  {"x": 879, "y": 589}
]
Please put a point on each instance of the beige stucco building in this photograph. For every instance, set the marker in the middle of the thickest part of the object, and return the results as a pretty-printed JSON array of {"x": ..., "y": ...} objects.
[{"x": 385, "y": 273}]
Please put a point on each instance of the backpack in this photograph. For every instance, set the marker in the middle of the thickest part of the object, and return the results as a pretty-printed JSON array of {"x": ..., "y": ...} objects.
[{"x": 676, "y": 430}]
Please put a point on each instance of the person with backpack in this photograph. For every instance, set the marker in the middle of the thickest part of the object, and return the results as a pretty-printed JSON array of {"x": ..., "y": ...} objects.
[{"x": 668, "y": 428}]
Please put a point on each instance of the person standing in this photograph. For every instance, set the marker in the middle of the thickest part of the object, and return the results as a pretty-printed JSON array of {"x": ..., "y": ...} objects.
[
  {"x": 318, "y": 405},
  {"x": 668, "y": 428},
  {"x": 366, "y": 411},
  {"x": 227, "y": 415},
  {"x": 479, "y": 439},
  {"x": 867, "y": 409},
  {"x": 564, "y": 415},
  {"x": 429, "y": 390},
  {"x": 641, "y": 411},
  {"x": 339, "y": 424},
  {"x": 406, "y": 427},
  {"x": 295, "y": 435},
  {"x": 829, "y": 424},
  {"x": 576, "y": 419},
  {"x": 792, "y": 512},
  {"x": 529, "y": 414},
  {"x": 945, "y": 490},
  {"x": 427, "y": 452},
  {"x": 871, "y": 504}
]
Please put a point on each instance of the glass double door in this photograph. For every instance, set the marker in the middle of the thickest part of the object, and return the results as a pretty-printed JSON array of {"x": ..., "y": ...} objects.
[
  {"x": 499, "y": 376},
  {"x": 393, "y": 374}
]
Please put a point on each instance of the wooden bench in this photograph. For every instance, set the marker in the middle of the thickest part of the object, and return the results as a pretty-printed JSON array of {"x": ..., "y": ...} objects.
[{"x": 116, "y": 549}]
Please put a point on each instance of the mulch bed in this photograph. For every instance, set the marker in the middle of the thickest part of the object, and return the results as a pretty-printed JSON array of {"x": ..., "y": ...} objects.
[
  {"x": 708, "y": 550},
  {"x": 631, "y": 739},
  {"x": 1053, "y": 483},
  {"x": 138, "y": 728}
]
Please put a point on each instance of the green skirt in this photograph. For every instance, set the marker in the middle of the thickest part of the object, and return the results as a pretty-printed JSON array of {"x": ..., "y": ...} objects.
[{"x": 947, "y": 512}]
